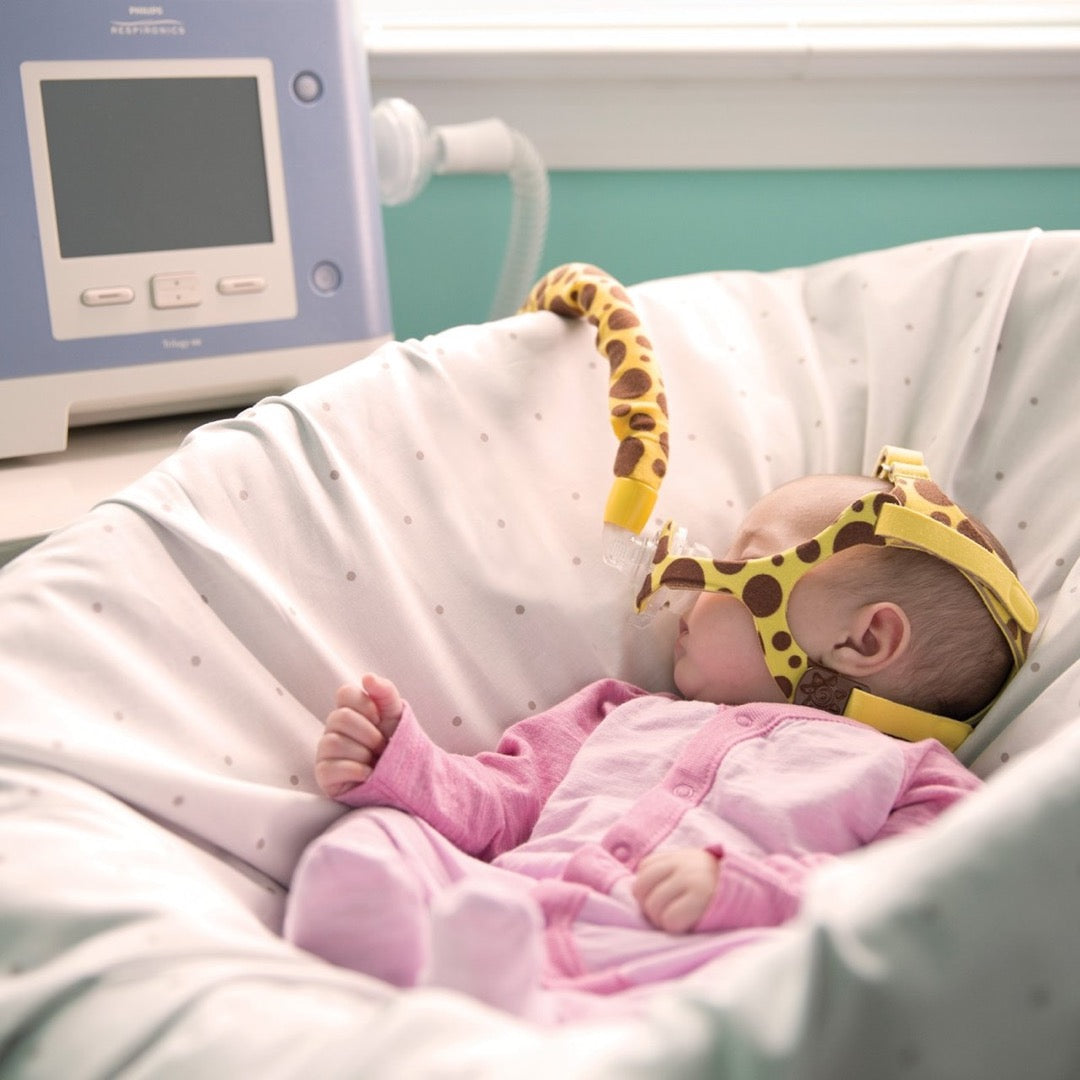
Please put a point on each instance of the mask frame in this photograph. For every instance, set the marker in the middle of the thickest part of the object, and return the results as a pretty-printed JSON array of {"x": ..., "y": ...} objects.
[{"x": 914, "y": 514}]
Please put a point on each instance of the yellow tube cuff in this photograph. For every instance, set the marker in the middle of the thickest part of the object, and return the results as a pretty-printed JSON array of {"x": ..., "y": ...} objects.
[{"x": 629, "y": 504}]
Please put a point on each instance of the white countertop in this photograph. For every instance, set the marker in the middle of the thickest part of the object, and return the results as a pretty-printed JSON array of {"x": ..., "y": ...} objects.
[{"x": 41, "y": 493}]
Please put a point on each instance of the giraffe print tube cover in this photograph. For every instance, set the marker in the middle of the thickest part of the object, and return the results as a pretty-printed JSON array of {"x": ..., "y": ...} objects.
[{"x": 636, "y": 399}]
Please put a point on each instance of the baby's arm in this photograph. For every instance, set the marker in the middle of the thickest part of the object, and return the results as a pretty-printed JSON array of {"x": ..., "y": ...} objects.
[
  {"x": 674, "y": 888},
  {"x": 485, "y": 803},
  {"x": 356, "y": 734}
]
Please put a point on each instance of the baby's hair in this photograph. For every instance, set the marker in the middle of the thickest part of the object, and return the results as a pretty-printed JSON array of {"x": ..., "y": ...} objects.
[{"x": 959, "y": 658}]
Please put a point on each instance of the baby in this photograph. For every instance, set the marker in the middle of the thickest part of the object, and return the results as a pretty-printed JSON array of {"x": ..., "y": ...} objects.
[{"x": 623, "y": 838}]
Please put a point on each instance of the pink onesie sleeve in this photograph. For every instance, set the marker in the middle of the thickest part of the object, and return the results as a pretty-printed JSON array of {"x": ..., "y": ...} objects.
[
  {"x": 766, "y": 890},
  {"x": 487, "y": 803}
]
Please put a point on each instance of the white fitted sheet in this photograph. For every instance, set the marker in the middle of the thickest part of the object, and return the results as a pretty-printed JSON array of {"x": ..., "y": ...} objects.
[{"x": 433, "y": 512}]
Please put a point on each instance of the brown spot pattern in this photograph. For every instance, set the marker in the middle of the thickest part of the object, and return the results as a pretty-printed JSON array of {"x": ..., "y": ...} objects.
[
  {"x": 728, "y": 567},
  {"x": 630, "y": 452},
  {"x": 763, "y": 595},
  {"x": 632, "y": 384},
  {"x": 968, "y": 528},
  {"x": 855, "y": 532},
  {"x": 684, "y": 574},
  {"x": 623, "y": 319},
  {"x": 932, "y": 493},
  {"x": 583, "y": 290}
]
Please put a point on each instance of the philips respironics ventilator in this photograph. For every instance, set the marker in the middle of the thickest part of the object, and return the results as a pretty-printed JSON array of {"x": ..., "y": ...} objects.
[
  {"x": 190, "y": 194},
  {"x": 915, "y": 514}
]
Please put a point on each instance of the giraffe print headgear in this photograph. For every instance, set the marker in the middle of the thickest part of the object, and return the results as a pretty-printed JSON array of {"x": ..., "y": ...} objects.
[{"x": 915, "y": 514}]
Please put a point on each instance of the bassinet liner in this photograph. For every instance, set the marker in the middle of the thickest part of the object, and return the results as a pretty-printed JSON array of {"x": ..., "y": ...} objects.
[{"x": 433, "y": 512}]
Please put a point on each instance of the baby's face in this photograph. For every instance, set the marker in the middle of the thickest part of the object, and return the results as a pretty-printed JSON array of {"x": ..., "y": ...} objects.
[{"x": 718, "y": 654}]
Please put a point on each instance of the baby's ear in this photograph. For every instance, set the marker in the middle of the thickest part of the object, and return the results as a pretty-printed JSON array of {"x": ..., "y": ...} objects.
[{"x": 877, "y": 635}]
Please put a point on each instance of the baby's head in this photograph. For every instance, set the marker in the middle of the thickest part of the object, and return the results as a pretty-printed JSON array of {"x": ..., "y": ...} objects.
[{"x": 899, "y": 623}]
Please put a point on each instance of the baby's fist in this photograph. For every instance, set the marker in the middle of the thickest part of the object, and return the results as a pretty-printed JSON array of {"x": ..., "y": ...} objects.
[{"x": 674, "y": 888}]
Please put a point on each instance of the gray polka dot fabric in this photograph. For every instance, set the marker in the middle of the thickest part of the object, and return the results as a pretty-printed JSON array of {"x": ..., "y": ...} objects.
[{"x": 434, "y": 512}]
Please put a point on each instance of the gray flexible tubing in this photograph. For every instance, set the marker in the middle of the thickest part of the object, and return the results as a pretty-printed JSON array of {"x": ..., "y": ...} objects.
[
  {"x": 528, "y": 227},
  {"x": 408, "y": 153}
]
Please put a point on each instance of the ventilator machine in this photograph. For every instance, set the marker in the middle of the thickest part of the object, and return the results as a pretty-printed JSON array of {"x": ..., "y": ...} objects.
[{"x": 190, "y": 205}]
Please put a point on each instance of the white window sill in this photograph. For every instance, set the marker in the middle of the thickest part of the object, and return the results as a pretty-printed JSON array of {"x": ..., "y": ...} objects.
[{"x": 753, "y": 98}]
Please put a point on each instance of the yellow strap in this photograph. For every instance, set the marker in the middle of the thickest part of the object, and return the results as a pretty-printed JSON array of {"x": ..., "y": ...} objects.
[
  {"x": 899, "y": 459},
  {"x": 971, "y": 558},
  {"x": 905, "y": 722}
]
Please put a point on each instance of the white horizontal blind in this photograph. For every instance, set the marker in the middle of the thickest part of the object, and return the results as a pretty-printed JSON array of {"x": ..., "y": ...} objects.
[
  {"x": 715, "y": 84},
  {"x": 585, "y": 14}
]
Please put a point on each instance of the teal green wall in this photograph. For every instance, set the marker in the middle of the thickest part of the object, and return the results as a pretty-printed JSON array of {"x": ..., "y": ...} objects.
[{"x": 445, "y": 248}]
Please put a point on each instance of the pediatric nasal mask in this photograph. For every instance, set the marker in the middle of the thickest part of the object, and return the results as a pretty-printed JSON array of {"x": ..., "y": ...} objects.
[{"x": 914, "y": 514}]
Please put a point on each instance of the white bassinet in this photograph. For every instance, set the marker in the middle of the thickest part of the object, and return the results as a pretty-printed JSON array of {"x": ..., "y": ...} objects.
[{"x": 433, "y": 512}]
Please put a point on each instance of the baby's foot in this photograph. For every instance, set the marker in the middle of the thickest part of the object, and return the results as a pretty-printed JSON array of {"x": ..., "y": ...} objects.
[
  {"x": 486, "y": 941},
  {"x": 359, "y": 909}
]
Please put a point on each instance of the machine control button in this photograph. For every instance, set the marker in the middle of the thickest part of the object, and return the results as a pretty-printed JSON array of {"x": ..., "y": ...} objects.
[
  {"x": 326, "y": 278},
  {"x": 308, "y": 87},
  {"x": 241, "y": 286},
  {"x": 108, "y": 295},
  {"x": 175, "y": 290}
]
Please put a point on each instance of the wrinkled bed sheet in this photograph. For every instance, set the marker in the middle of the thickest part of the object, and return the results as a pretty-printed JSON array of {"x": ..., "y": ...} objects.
[{"x": 433, "y": 512}]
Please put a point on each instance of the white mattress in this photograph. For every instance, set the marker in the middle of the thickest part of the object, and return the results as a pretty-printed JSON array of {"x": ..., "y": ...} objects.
[{"x": 433, "y": 513}]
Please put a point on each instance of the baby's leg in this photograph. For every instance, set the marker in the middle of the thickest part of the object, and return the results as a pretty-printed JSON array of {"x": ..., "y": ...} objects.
[{"x": 361, "y": 893}]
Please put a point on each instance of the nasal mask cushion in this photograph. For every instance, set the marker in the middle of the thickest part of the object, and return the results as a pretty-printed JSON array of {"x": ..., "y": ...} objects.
[{"x": 914, "y": 514}]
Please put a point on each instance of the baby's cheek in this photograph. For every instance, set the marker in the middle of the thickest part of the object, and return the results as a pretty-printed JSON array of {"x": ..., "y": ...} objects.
[
  {"x": 808, "y": 614},
  {"x": 763, "y": 686},
  {"x": 725, "y": 642}
]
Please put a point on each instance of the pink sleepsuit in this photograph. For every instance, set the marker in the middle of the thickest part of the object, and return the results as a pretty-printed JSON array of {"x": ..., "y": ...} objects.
[{"x": 572, "y": 799}]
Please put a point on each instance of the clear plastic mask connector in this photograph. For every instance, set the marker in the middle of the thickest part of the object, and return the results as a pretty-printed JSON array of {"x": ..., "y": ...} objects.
[{"x": 633, "y": 554}]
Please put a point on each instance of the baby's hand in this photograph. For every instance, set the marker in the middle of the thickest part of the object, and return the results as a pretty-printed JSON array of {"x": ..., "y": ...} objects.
[
  {"x": 356, "y": 734},
  {"x": 674, "y": 887}
]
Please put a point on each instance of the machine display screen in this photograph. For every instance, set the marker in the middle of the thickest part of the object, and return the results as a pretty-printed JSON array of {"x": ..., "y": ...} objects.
[{"x": 156, "y": 164}]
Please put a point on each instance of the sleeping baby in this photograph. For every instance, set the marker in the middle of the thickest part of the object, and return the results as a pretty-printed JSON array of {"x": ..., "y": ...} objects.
[{"x": 849, "y": 635}]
